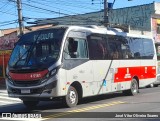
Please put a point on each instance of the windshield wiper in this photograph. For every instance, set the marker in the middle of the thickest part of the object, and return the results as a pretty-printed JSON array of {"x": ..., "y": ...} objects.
[
  {"x": 27, "y": 51},
  {"x": 20, "y": 58}
]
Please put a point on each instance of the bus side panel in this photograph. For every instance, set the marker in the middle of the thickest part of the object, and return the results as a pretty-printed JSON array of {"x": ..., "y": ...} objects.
[
  {"x": 148, "y": 72},
  {"x": 127, "y": 70},
  {"x": 114, "y": 68},
  {"x": 144, "y": 70},
  {"x": 61, "y": 82},
  {"x": 82, "y": 74},
  {"x": 103, "y": 75}
]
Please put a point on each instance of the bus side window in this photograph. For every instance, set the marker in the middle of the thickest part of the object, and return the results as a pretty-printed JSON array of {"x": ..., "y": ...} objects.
[
  {"x": 114, "y": 44},
  {"x": 72, "y": 47},
  {"x": 113, "y": 50},
  {"x": 76, "y": 48},
  {"x": 115, "y": 54},
  {"x": 126, "y": 50},
  {"x": 97, "y": 47}
]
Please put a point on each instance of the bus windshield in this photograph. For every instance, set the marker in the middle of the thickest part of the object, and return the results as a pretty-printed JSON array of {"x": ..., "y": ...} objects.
[{"x": 37, "y": 49}]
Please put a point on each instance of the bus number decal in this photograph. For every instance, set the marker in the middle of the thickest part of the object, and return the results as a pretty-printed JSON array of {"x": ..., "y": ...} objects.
[{"x": 127, "y": 75}]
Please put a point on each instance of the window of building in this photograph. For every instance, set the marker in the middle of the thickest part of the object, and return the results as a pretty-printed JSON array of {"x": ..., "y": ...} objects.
[
  {"x": 158, "y": 50},
  {"x": 158, "y": 28}
]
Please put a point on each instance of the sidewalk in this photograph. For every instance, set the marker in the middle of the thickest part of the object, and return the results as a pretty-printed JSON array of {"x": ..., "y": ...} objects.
[{"x": 2, "y": 83}]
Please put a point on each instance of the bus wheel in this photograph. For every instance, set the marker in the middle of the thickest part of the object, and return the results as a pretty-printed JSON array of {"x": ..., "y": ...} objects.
[
  {"x": 30, "y": 104},
  {"x": 71, "y": 97},
  {"x": 152, "y": 85},
  {"x": 134, "y": 89}
]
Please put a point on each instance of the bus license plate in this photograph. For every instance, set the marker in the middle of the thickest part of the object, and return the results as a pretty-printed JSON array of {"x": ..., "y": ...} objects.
[{"x": 25, "y": 91}]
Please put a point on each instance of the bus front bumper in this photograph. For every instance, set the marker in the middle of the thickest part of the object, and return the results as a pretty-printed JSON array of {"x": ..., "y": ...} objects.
[{"x": 44, "y": 90}]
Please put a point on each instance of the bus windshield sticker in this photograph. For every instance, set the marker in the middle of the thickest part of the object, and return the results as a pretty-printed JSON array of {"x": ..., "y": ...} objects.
[{"x": 44, "y": 36}]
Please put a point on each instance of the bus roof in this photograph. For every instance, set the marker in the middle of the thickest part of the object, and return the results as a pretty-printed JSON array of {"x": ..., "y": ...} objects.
[{"x": 97, "y": 29}]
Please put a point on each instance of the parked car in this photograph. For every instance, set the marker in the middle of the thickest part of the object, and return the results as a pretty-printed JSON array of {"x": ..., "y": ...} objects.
[{"x": 156, "y": 83}]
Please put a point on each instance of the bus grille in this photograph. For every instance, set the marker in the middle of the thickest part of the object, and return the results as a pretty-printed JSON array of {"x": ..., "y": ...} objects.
[
  {"x": 33, "y": 91},
  {"x": 27, "y": 83}
]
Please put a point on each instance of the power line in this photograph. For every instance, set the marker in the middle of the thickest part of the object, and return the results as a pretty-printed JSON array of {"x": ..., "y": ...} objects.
[
  {"x": 56, "y": 12},
  {"x": 8, "y": 21},
  {"x": 67, "y": 4},
  {"x": 10, "y": 9},
  {"x": 6, "y": 10},
  {"x": 49, "y": 5},
  {"x": 46, "y": 9},
  {"x": 4, "y": 6},
  {"x": 7, "y": 13},
  {"x": 71, "y": 4},
  {"x": 52, "y": 11},
  {"x": 41, "y": 8},
  {"x": 8, "y": 24}
]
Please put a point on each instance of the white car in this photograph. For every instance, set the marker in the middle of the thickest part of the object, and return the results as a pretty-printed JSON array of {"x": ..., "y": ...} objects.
[{"x": 156, "y": 83}]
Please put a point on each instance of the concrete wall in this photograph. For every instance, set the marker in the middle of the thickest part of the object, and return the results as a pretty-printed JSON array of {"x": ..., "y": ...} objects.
[
  {"x": 157, "y": 8},
  {"x": 1, "y": 34},
  {"x": 81, "y": 19},
  {"x": 138, "y": 17}
]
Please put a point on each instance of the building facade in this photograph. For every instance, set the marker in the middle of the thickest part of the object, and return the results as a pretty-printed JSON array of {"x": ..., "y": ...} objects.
[{"x": 142, "y": 19}]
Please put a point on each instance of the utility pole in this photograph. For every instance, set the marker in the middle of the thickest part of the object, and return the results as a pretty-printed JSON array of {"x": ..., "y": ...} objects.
[
  {"x": 106, "y": 22},
  {"x": 20, "y": 21}
]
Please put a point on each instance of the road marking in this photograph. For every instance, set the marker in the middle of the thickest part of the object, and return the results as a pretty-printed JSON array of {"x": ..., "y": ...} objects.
[
  {"x": 8, "y": 98},
  {"x": 3, "y": 91},
  {"x": 82, "y": 110},
  {"x": 3, "y": 94},
  {"x": 58, "y": 115},
  {"x": 5, "y": 102}
]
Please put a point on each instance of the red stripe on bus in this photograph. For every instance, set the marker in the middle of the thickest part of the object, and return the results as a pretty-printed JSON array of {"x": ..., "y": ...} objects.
[
  {"x": 28, "y": 76},
  {"x": 127, "y": 73}
]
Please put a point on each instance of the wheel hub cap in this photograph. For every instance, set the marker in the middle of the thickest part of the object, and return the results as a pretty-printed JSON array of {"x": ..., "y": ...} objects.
[{"x": 72, "y": 97}]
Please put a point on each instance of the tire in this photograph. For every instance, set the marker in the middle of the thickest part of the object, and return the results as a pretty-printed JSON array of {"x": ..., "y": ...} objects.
[
  {"x": 30, "y": 104},
  {"x": 156, "y": 85},
  {"x": 71, "y": 98},
  {"x": 152, "y": 85},
  {"x": 134, "y": 89}
]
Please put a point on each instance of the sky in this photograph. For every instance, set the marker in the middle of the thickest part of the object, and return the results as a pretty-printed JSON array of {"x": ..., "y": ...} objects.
[{"x": 33, "y": 10}]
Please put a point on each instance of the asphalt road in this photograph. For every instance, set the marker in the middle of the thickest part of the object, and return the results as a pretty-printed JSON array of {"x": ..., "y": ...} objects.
[{"x": 115, "y": 106}]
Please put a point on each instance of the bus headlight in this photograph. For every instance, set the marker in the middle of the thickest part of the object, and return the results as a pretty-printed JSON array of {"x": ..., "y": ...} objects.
[
  {"x": 50, "y": 74},
  {"x": 53, "y": 72},
  {"x": 9, "y": 78}
]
